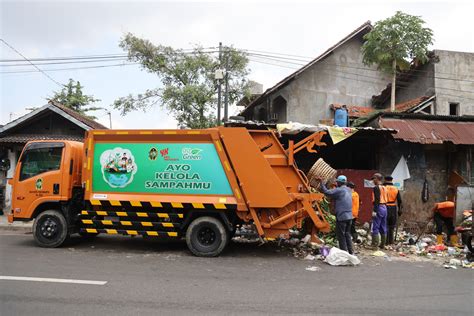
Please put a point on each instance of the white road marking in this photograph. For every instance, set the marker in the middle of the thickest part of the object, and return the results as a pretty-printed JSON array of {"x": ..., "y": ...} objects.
[{"x": 72, "y": 281}]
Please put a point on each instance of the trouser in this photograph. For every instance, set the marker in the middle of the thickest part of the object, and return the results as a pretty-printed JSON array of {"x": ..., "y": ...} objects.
[
  {"x": 392, "y": 218},
  {"x": 353, "y": 230},
  {"x": 447, "y": 221},
  {"x": 379, "y": 222},
  {"x": 343, "y": 233}
]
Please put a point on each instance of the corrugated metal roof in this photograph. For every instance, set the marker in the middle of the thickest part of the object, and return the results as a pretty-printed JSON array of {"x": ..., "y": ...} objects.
[
  {"x": 431, "y": 131},
  {"x": 23, "y": 139}
]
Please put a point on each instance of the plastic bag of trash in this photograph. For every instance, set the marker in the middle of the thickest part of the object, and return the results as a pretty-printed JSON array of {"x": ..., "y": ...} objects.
[{"x": 338, "y": 257}]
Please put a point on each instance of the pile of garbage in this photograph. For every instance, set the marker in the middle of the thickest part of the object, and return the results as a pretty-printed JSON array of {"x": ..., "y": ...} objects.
[
  {"x": 408, "y": 247},
  {"x": 416, "y": 248}
]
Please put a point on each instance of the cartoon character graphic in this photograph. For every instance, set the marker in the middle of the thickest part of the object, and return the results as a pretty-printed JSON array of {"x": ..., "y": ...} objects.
[
  {"x": 153, "y": 154},
  {"x": 118, "y": 167},
  {"x": 39, "y": 184}
]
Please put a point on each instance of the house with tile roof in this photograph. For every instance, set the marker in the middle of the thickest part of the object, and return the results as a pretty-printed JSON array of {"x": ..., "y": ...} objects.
[
  {"x": 51, "y": 121},
  {"x": 338, "y": 75}
]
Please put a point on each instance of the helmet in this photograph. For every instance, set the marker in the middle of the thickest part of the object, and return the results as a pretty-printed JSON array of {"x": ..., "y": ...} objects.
[{"x": 341, "y": 178}]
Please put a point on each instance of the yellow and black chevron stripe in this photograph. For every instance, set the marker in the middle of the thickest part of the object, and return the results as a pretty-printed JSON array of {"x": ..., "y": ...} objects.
[
  {"x": 111, "y": 204},
  {"x": 130, "y": 232},
  {"x": 132, "y": 214},
  {"x": 114, "y": 223}
]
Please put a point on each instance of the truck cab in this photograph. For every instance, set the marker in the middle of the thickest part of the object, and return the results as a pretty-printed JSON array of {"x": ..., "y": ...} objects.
[{"x": 47, "y": 176}]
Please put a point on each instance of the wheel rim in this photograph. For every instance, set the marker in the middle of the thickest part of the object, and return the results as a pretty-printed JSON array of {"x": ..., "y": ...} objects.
[
  {"x": 49, "y": 228},
  {"x": 206, "y": 236}
]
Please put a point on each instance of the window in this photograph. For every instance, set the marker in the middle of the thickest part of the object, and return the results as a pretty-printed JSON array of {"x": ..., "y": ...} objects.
[
  {"x": 38, "y": 160},
  {"x": 453, "y": 108}
]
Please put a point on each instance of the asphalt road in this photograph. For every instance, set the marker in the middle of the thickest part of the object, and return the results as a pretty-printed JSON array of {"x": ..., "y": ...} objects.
[{"x": 150, "y": 278}]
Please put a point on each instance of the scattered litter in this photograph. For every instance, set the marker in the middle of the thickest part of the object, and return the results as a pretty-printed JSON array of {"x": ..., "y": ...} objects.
[
  {"x": 312, "y": 268},
  {"x": 379, "y": 253},
  {"x": 361, "y": 232},
  {"x": 338, "y": 257},
  {"x": 387, "y": 258},
  {"x": 451, "y": 251},
  {"x": 309, "y": 257},
  {"x": 427, "y": 240},
  {"x": 446, "y": 266},
  {"x": 324, "y": 251},
  {"x": 455, "y": 262},
  {"x": 306, "y": 239}
]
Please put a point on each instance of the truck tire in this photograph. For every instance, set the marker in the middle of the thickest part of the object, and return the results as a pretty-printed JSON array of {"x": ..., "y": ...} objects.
[
  {"x": 50, "y": 229},
  {"x": 206, "y": 237}
]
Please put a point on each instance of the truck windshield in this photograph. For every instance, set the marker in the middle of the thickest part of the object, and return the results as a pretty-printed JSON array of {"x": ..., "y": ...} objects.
[{"x": 39, "y": 160}]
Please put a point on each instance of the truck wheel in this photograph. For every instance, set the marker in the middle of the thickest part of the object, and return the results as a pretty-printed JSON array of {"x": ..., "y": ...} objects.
[
  {"x": 206, "y": 237},
  {"x": 50, "y": 229}
]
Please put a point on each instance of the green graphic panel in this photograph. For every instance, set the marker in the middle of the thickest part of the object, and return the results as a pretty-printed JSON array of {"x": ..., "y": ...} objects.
[{"x": 179, "y": 168}]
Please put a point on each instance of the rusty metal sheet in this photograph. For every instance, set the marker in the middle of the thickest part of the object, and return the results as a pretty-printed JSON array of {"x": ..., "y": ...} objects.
[{"x": 431, "y": 132}]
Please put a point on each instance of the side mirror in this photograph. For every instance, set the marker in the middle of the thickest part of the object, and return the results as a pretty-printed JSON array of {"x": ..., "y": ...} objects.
[{"x": 4, "y": 164}]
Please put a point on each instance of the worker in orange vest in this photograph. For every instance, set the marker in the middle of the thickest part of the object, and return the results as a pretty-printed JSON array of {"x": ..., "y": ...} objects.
[
  {"x": 379, "y": 214},
  {"x": 394, "y": 208},
  {"x": 355, "y": 210},
  {"x": 443, "y": 213}
]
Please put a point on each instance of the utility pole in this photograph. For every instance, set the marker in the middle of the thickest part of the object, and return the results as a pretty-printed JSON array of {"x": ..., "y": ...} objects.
[
  {"x": 226, "y": 95},
  {"x": 219, "y": 88}
]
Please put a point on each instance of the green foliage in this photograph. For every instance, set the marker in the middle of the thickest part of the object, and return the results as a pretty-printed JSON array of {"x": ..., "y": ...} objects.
[
  {"x": 400, "y": 38},
  {"x": 188, "y": 87},
  {"x": 72, "y": 97}
]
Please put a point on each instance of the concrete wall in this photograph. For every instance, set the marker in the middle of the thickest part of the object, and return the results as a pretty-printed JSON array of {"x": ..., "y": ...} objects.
[
  {"x": 421, "y": 85},
  {"x": 341, "y": 77},
  {"x": 458, "y": 66},
  {"x": 428, "y": 162}
]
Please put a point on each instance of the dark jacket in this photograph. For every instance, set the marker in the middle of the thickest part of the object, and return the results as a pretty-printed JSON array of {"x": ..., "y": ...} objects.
[{"x": 342, "y": 197}]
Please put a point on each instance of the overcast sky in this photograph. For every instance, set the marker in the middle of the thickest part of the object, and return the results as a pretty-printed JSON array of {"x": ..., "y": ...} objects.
[{"x": 72, "y": 28}]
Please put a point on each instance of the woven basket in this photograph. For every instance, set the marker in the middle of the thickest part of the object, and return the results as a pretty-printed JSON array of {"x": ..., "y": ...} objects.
[{"x": 321, "y": 170}]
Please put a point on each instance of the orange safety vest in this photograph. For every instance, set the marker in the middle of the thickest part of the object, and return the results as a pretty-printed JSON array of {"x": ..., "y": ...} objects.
[
  {"x": 392, "y": 193},
  {"x": 355, "y": 204},
  {"x": 445, "y": 209},
  {"x": 383, "y": 195}
]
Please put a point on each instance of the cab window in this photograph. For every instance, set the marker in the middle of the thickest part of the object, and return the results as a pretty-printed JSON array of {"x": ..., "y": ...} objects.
[{"x": 38, "y": 160}]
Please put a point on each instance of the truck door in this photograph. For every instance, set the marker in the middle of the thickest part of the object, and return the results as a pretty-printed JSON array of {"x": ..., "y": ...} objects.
[{"x": 38, "y": 177}]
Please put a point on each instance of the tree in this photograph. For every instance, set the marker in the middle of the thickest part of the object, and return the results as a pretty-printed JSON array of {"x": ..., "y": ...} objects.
[
  {"x": 188, "y": 89},
  {"x": 396, "y": 42},
  {"x": 72, "y": 97}
]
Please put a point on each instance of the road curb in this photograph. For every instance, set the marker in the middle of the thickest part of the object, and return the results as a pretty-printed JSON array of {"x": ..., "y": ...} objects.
[
  {"x": 26, "y": 229},
  {"x": 22, "y": 227}
]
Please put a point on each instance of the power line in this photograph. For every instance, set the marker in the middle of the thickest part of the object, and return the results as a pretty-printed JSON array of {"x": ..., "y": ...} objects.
[
  {"x": 381, "y": 80},
  {"x": 307, "y": 59},
  {"x": 71, "y": 68},
  {"x": 374, "y": 82},
  {"x": 68, "y": 62},
  {"x": 100, "y": 56},
  {"x": 39, "y": 69},
  {"x": 279, "y": 59}
]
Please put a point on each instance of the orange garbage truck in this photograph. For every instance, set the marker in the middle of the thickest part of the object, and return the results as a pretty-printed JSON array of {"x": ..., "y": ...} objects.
[{"x": 196, "y": 185}]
